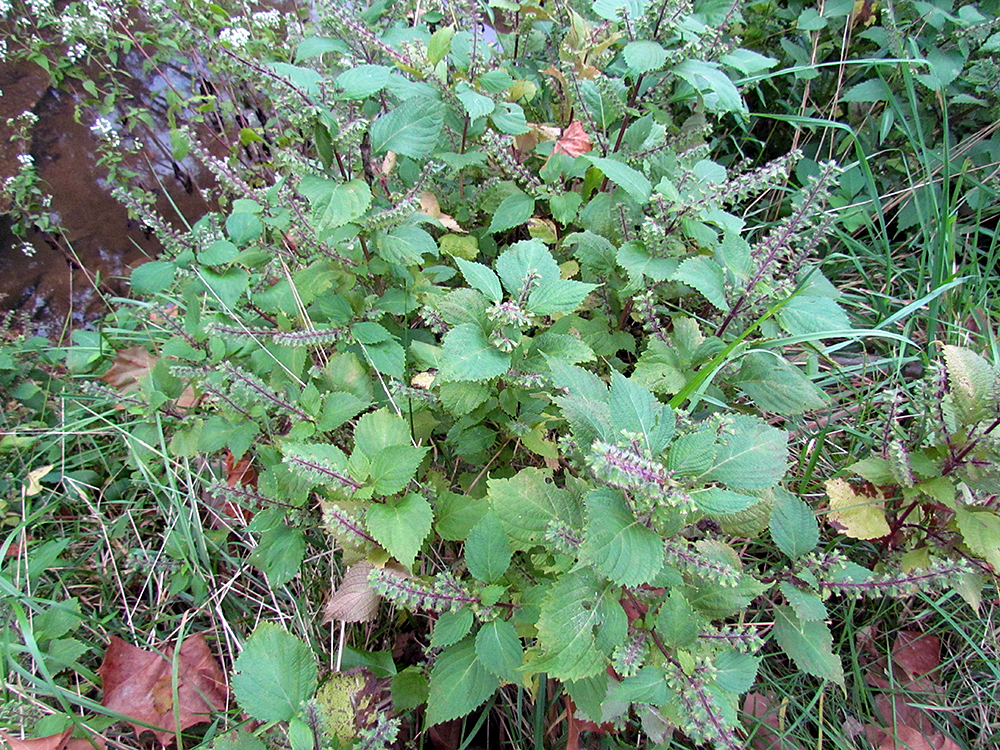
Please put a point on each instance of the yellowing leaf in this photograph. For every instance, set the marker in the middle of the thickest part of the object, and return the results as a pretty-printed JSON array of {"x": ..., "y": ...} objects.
[
  {"x": 429, "y": 205},
  {"x": 859, "y": 516},
  {"x": 34, "y": 480}
]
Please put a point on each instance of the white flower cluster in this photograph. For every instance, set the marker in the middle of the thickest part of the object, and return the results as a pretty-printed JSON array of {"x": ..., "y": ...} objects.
[
  {"x": 29, "y": 117},
  {"x": 76, "y": 51},
  {"x": 266, "y": 19},
  {"x": 28, "y": 249},
  {"x": 236, "y": 37},
  {"x": 40, "y": 7},
  {"x": 92, "y": 19},
  {"x": 104, "y": 129},
  {"x": 27, "y": 160},
  {"x": 4, "y": 7},
  {"x": 3, "y": 46}
]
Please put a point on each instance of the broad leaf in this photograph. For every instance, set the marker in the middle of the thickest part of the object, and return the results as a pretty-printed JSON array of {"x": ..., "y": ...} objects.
[
  {"x": 558, "y": 296},
  {"x": 273, "y": 674},
  {"x": 635, "y": 410},
  {"x": 775, "y": 385},
  {"x": 527, "y": 503},
  {"x": 487, "y": 552},
  {"x": 459, "y": 683},
  {"x": 514, "y": 211},
  {"x": 980, "y": 529},
  {"x": 717, "y": 91},
  {"x": 451, "y": 627},
  {"x": 809, "y": 644},
  {"x": 401, "y": 526},
  {"x": 812, "y": 315},
  {"x": 704, "y": 275},
  {"x": 411, "y": 129},
  {"x": 793, "y": 525},
  {"x": 380, "y": 429},
  {"x": 635, "y": 183},
  {"x": 645, "y": 56},
  {"x": 467, "y": 355},
  {"x": 499, "y": 650},
  {"x": 335, "y": 203},
  {"x": 859, "y": 516},
  {"x": 405, "y": 245},
  {"x": 752, "y": 455},
  {"x": 482, "y": 278},
  {"x": 580, "y": 621},
  {"x": 677, "y": 623},
  {"x": 721, "y": 502},
  {"x": 362, "y": 81},
  {"x": 618, "y": 546}
]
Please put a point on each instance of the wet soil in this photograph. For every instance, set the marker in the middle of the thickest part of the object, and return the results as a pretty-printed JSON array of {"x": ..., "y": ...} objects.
[{"x": 72, "y": 271}]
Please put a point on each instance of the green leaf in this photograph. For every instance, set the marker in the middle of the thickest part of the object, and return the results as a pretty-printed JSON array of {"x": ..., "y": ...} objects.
[
  {"x": 152, "y": 277},
  {"x": 719, "y": 502},
  {"x": 459, "y": 683},
  {"x": 273, "y": 674},
  {"x": 580, "y": 623},
  {"x": 634, "y": 182},
  {"x": 313, "y": 46},
  {"x": 227, "y": 286},
  {"x": 401, "y": 526},
  {"x": 514, "y": 211},
  {"x": 393, "y": 467},
  {"x": 618, "y": 546},
  {"x": 793, "y": 525},
  {"x": 487, "y": 552},
  {"x": 482, "y": 278},
  {"x": 809, "y": 644},
  {"x": 807, "y": 606},
  {"x": 335, "y": 203},
  {"x": 306, "y": 79},
  {"x": 872, "y": 90},
  {"x": 558, "y": 296},
  {"x": 476, "y": 105},
  {"x": 524, "y": 259},
  {"x": 509, "y": 118},
  {"x": 411, "y": 129},
  {"x": 378, "y": 430},
  {"x": 612, "y": 10},
  {"x": 218, "y": 253},
  {"x": 980, "y": 529},
  {"x": 440, "y": 44},
  {"x": 243, "y": 228},
  {"x": 526, "y": 504},
  {"x": 362, "y": 81},
  {"x": 747, "y": 61},
  {"x": 467, "y": 355},
  {"x": 337, "y": 409},
  {"x": 499, "y": 649},
  {"x": 677, "y": 623},
  {"x": 776, "y": 385},
  {"x": 735, "y": 671},
  {"x": 279, "y": 554},
  {"x": 717, "y": 91},
  {"x": 810, "y": 315},
  {"x": 751, "y": 456},
  {"x": 974, "y": 383},
  {"x": 645, "y": 56},
  {"x": 408, "y": 689},
  {"x": 457, "y": 514},
  {"x": 405, "y": 245},
  {"x": 451, "y": 627},
  {"x": 704, "y": 275},
  {"x": 636, "y": 410}
]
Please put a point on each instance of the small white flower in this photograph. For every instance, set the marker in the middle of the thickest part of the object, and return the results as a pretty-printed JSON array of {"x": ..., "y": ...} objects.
[
  {"x": 76, "y": 51},
  {"x": 268, "y": 19},
  {"x": 101, "y": 127},
  {"x": 27, "y": 160},
  {"x": 236, "y": 37},
  {"x": 4, "y": 7},
  {"x": 28, "y": 249}
]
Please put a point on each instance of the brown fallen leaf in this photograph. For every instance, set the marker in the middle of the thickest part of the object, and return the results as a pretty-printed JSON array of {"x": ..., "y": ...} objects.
[
  {"x": 429, "y": 205},
  {"x": 128, "y": 369},
  {"x": 138, "y": 684},
  {"x": 573, "y": 141},
  {"x": 52, "y": 742},
  {"x": 917, "y": 654},
  {"x": 907, "y": 738},
  {"x": 768, "y": 733},
  {"x": 354, "y": 600}
]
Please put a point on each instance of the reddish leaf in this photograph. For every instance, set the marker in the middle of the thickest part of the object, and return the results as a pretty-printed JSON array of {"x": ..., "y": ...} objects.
[
  {"x": 916, "y": 654},
  {"x": 573, "y": 141},
  {"x": 767, "y": 735},
  {"x": 52, "y": 742},
  {"x": 575, "y": 726},
  {"x": 138, "y": 684},
  {"x": 907, "y": 738},
  {"x": 354, "y": 600}
]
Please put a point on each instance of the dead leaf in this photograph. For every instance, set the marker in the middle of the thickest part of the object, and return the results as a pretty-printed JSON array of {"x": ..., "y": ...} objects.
[
  {"x": 52, "y": 742},
  {"x": 354, "y": 600},
  {"x": 138, "y": 684},
  {"x": 129, "y": 368},
  {"x": 916, "y": 654},
  {"x": 429, "y": 205},
  {"x": 35, "y": 480},
  {"x": 575, "y": 726},
  {"x": 768, "y": 733},
  {"x": 574, "y": 141},
  {"x": 907, "y": 738},
  {"x": 856, "y": 515}
]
